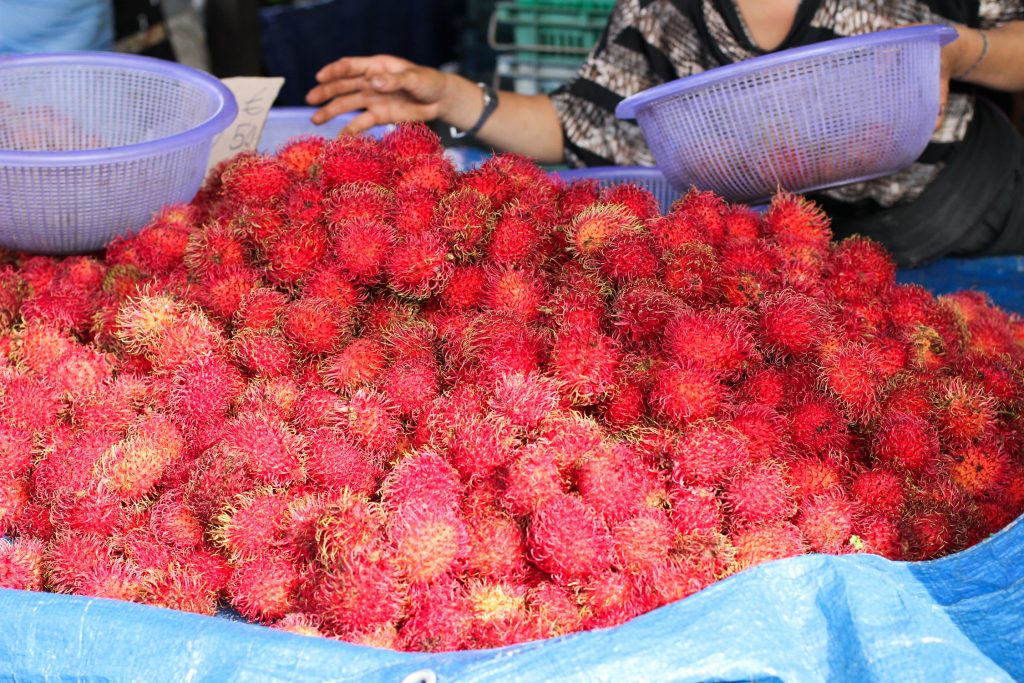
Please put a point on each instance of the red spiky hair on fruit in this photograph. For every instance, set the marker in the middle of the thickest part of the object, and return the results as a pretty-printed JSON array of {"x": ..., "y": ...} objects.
[
  {"x": 979, "y": 469},
  {"x": 465, "y": 218},
  {"x": 358, "y": 364},
  {"x": 585, "y": 367},
  {"x": 360, "y": 201},
  {"x": 717, "y": 340},
  {"x": 438, "y": 620},
  {"x": 695, "y": 509},
  {"x": 568, "y": 539},
  {"x": 333, "y": 462},
  {"x": 419, "y": 265},
  {"x": 422, "y": 477},
  {"x": 433, "y": 173},
  {"x": 759, "y": 494},
  {"x": 261, "y": 353},
  {"x": 414, "y": 209},
  {"x": 271, "y": 451},
  {"x": 302, "y": 154},
  {"x": 629, "y": 256},
  {"x": 16, "y": 454},
  {"x": 95, "y": 511},
  {"x": 532, "y": 477},
  {"x": 524, "y": 399},
  {"x": 743, "y": 224},
  {"x": 361, "y": 247},
  {"x": 707, "y": 453},
  {"x": 14, "y": 499},
  {"x": 218, "y": 245},
  {"x": 162, "y": 244},
  {"x": 905, "y": 442},
  {"x": 203, "y": 389},
  {"x": 819, "y": 427},
  {"x": 304, "y": 203},
  {"x": 21, "y": 564},
  {"x": 260, "y": 309},
  {"x": 253, "y": 180},
  {"x": 851, "y": 374},
  {"x": 515, "y": 292},
  {"x": 577, "y": 196},
  {"x": 409, "y": 385},
  {"x": 314, "y": 326},
  {"x": 69, "y": 557},
  {"x": 860, "y": 269},
  {"x": 681, "y": 394},
  {"x": 764, "y": 427},
  {"x": 427, "y": 538},
  {"x": 796, "y": 222},
  {"x": 481, "y": 446},
  {"x": 706, "y": 210},
  {"x": 358, "y": 597},
  {"x": 132, "y": 467},
  {"x": 638, "y": 200},
  {"x": 408, "y": 141},
  {"x": 963, "y": 410},
  {"x": 792, "y": 324},
  {"x": 290, "y": 256},
  {"x": 352, "y": 159},
  {"x": 517, "y": 235},
  {"x": 615, "y": 482},
  {"x": 879, "y": 491},
  {"x": 263, "y": 589},
  {"x": 691, "y": 272},
  {"x": 760, "y": 544},
  {"x": 642, "y": 542},
  {"x": 465, "y": 290},
  {"x": 371, "y": 422},
  {"x": 222, "y": 290},
  {"x": 250, "y": 524},
  {"x": 827, "y": 522},
  {"x": 593, "y": 228}
]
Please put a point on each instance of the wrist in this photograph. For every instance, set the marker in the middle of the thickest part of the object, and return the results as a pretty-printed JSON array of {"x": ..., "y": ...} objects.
[{"x": 461, "y": 103}]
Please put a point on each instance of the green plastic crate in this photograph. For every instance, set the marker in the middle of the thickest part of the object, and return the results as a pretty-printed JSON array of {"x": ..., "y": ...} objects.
[{"x": 548, "y": 29}]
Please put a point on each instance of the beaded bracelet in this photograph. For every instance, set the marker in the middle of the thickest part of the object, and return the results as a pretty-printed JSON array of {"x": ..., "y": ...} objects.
[{"x": 978, "y": 61}]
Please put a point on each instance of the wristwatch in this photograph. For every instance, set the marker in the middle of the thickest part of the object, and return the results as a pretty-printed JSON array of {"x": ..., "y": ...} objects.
[{"x": 490, "y": 104}]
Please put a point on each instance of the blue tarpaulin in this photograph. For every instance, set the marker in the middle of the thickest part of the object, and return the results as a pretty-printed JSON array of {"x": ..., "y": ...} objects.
[{"x": 815, "y": 617}]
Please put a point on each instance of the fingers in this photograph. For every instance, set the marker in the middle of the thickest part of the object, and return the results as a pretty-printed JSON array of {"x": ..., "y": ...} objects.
[
  {"x": 347, "y": 67},
  {"x": 360, "y": 123},
  {"x": 339, "y": 105},
  {"x": 341, "y": 86}
]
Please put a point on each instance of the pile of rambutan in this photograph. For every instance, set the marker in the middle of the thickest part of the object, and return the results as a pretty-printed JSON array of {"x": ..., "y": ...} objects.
[{"x": 349, "y": 391}]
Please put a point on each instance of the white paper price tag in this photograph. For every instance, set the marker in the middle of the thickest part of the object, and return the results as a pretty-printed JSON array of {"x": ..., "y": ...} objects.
[{"x": 254, "y": 97}]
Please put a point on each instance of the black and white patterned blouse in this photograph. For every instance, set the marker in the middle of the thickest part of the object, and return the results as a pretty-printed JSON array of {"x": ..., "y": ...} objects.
[{"x": 648, "y": 42}]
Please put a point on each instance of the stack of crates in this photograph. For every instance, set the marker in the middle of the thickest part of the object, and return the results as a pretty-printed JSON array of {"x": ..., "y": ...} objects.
[{"x": 543, "y": 42}]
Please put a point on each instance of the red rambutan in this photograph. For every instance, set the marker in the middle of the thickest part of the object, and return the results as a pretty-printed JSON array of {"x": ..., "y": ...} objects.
[{"x": 568, "y": 539}]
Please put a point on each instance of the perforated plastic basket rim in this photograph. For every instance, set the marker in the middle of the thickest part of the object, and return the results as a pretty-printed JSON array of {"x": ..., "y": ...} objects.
[
  {"x": 221, "y": 118},
  {"x": 628, "y": 108}
]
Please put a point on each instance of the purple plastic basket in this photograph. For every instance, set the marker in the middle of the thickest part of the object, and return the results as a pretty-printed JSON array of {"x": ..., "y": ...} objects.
[
  {"x": 803, "y": 119},
  {"x": 92, "y": 144}
]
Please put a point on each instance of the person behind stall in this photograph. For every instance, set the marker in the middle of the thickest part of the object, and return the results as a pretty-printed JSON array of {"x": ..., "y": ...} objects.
[{"x": 963, "y": 196}]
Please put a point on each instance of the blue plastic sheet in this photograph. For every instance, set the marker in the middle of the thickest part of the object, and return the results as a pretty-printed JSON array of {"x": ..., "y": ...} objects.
[{"x": 850, "y": 618}]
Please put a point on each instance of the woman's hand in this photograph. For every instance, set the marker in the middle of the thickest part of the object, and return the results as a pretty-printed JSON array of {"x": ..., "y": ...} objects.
[{"x": 390, "y": 89}]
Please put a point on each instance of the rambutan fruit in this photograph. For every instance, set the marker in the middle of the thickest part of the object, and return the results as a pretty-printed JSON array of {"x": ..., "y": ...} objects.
[
  {"x": 272, "y": 452},
  {"x": 438, "y": 619},
  {"x": 26, "y": 403},
  {"x": 96, "y": 511},
  {"x": 466, "y": 219},
  {"x": 371, "y": 422},
  {"x": 852, "y": 375},
  {"x": 611, "y": 598},
  {"x": 927, "y": 535},
  {"x": 818, "y": 427},
  {"x": 532, "y": 477},
  {"x": 434, "y": 173},
  {"x": 39, "y": 345},
  {"x": 69, "y": 557},
  {"x": 794, "y": 221},
  {"x": 218, "y": 475},
  {"x": 675, "y": 579},
  {"x": 765, "y": 385},
  {"x": 409, "y": 140},
  {"x": 792, "y": 324},
  {"x": 576, "y": 311},
  {"x": 496, "y": 546},
  {"x": 516, "y": 237},
  {"x": 766, "y": 431},
  {"x": 349, "y": 527},
  {"x": 641, "y": 311},
  {"x": 192, "y": 336},
  {"x": 260, "y": 309},
  {"x": 353, "y": 160},
  {"x": 115, "y": 579},
  {"x": 813, "y": 476},
  {"x": 82, "y": 372},
  {"x": 328, "y": 283},
  {"x": 743, "y": 224},
  {"x": 300, "y": 623},
  {"x": 413, "y": 211},
  {"x": 427, "y": 540},
  {"x": 134, "y": 465},
  {"x": 706, "y": 209},
  {"x": 643, "y": 541},
  {"x": 827, "y": 522},
  {"x": 576, "y": 196},
  {"x": 593, "y": 228},
  {"x": 860, "y": 269},
  {"x": 250, "y": 524},
  {"x": 303, "y": 205},
  {"x": 629, "y": 256},
  {"x": 515, "y": 292},
  {"x": 963, "y": 410},
  {"x": 879, "y": 491},
  {"x": 878, "y": 535},
  {"x": 262, "y": 353},
  {"x": 409, "y": 386},
  {"x": 681, "y": 394},
  {"x": 638, "y": 200},
  {"x": 15, "y": 451},
  {"x": 466, "y": 288},
  {"x": 182, "y": 588},
  {"x": 585, "y": 367},
  {"x": 553, "y": 609},
  {"x": 718, "y": 341},
  {"x": 979, "y": 468},
  {"x": 759, "y": 544},
  {"x": 615, "y": 482},
  {"x": 361, "y": 247},
  {"x": 302, "y": 154},
  {"x": 626, "y": 405},
  {"x": 203, "y": 389},
  {"x": 263, "y": 589},
  {"x": 333, "y": 462},
  {"x": 358, "y": 595},
  {"x": 14, "y": 499},
  {"x": 759, "y": 494},
  {"x": 255, "y": 180},
  {"x": 524, "y": 399},
  {"x": 174, "y": 523},
  {"x": 314, "y": 326},
  {"x": 419, "y": 265},
  {"x": 482, "y": 446},
  {"x": 568, "y": 539},
  {"x": 222, "y": 290},
  {"x": 422, "y": 477},
  {"x": 707, "y": 453},
  {"x": 162, "y": 244},
  {"x": 292, "y": 255},
  {"x": 498, "y": 610},
  {"x": 695, "y": 509},
  {"x": 21, "y": 564}
]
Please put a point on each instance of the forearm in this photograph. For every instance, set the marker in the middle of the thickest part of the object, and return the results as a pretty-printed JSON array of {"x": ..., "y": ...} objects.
[
  {"x": 1003, "y": 65},
  {"x": 524, "y": 124}
]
